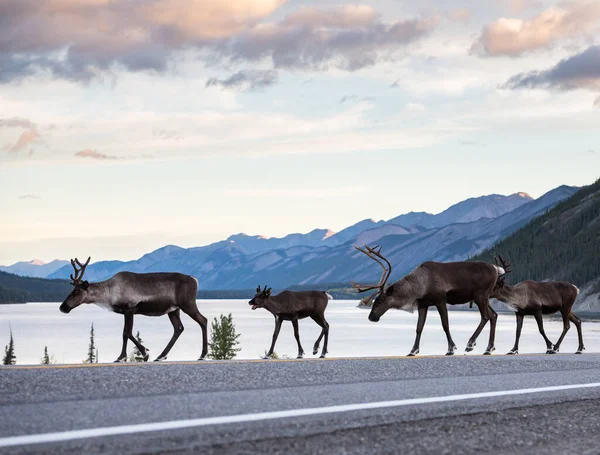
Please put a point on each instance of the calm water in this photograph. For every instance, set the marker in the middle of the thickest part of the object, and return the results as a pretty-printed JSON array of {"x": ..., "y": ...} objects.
[{"x": 36, "y": 325}]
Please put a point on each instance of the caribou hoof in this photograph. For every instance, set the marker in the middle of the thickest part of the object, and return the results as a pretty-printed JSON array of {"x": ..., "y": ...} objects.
[
  {"x": 121, "y": 360},
  {"x": 322, "y": 356},
  {"x": 147, "y": 355},
  {"x": 551, "y": 351},
  {"x": 514, "y": 352},
  {"x": 160, "y": 359},
  {"x": 451, "y": 351},
  {"x": 579, "y": 351},
  {"x": 470, "y": 347},
  {"x": 300, "y": 356},
  {"x": 489, "y": 351},
  {"x": 315, "y": 351},
  {"x": 266, "y": 357},
  {"x": 413, "y": 353}
]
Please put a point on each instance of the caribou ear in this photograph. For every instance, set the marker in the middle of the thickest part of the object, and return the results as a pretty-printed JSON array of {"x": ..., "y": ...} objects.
[
  {"x": 258, "y": 289},
  {"x": 84, "y": 285}
]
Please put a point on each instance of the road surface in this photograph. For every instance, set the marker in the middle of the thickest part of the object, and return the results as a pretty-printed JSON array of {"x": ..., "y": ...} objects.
[{"x": 461, "y": 404}]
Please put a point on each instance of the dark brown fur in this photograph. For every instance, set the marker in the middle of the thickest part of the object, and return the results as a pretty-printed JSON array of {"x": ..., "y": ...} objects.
[
  {"x": 437, "y": 284},
  {"x": 292, "y": 306},
  {"x": 536, "y": 298}
]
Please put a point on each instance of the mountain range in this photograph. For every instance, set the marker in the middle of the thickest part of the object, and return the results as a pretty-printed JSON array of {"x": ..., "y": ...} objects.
[
  {"x": 35, "y": 268},
  {"x": 322, "y": 257}
]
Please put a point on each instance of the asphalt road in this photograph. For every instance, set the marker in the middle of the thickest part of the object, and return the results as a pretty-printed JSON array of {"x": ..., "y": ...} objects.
[{"x": 461, "y": 404}]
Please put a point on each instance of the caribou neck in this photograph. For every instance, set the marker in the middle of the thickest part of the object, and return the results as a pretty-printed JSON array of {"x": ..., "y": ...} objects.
[
  {"x": 506, "y": 293},
  {"x": 272, "y": 304},
  {"x": 407, "y": 290},
  {"x": 98, "y": 292}
]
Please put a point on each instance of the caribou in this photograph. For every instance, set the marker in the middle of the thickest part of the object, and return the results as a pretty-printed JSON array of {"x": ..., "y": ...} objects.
[
  {"x": 534, "y": 298},
  {"x": 291, "y": 306},
  {"x": 150, "y": 294},
  {"x": 435, "y": 284}
]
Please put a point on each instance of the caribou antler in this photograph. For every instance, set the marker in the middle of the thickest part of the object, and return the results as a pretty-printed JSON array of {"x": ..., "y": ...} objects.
[
  {"x": 78, "y": 272},
  {"x": 375, "y": 254}
]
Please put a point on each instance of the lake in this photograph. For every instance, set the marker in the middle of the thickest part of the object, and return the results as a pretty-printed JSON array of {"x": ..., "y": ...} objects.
[{"x": 36, "y": 325}]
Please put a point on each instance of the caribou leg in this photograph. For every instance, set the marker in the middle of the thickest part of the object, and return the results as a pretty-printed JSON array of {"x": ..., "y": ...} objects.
[
  {"x": 420, "y": 324},
  {"x": 515, "y": 349},
  {"x": 487, "y": 314},
  {"x": 320, "y": 319},
  {"x": 278, "y": 322},
  {"x": 297, "y": 336},
  {"x": 145, "y": 351},
  {"x": 566, "y": 327},
  {"x": 443, "y": 310},
  {"x": 540, "y": 322},
  {"x": 177, "y": 330},
  {"x": 127, "y": 332},
  {"x": 203, "y": 323},
  {"x": 318, "y": 342},
  {"x": 577, "y": 323}
]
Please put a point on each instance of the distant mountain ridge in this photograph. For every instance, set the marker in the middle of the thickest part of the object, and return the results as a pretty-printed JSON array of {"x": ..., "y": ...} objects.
[
  {"x": 241, "y": 261},
  {"x": 35, "y": 268}
]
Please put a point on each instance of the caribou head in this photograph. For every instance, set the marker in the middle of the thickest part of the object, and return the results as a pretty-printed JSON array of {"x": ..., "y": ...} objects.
[
  {"x": 260, "y": 298},
  {"x": 80, "y": 287},
  {"x": 383, "y": 298},
  {"x": 502, "y": 265}
]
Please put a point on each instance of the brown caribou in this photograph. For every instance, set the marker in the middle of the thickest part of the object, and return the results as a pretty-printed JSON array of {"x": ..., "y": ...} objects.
[
  {"x": 150, "y": 294},
  {"x": 291, "y": 306},
  {"x": 535, "y": 298},
  {"x": 435, "y": 284}
]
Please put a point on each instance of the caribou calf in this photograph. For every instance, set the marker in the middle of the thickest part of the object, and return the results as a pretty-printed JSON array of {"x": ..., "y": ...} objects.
[
  {"x": 291, "y": 306},
  {"x": 435, "y": 284},
  {"x": 150, "y": 294},
  {"x": 534, "y": 298}
]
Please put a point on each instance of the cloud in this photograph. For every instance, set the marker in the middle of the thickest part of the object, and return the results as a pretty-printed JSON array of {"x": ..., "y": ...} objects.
[
  {"x": 246, "y": 81},
  {"x": 459, "y": 15},
  {"x": 580, "y": 71},
  {"x": 347, "y": 38},
  {"x": 29, "y": 196},
  {"x": 348, "y": 98},
  {"x": 16, "y": 122},
  {"x": 166, "y": 134},
  {"x": 26, "y": 138},
  {"x": 78, "y": 40},
  {"x": 94, "y": 154},
  {"x": 518, "y": 6},
  {"x": 513, "y": 37}
]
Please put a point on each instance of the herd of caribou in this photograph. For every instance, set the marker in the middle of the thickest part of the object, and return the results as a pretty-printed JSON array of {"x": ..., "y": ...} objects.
[{"x": 430, "y": 284}]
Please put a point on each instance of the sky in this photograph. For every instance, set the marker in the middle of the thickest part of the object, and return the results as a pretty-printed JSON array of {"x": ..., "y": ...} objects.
[{"x": 128, "y": 125}]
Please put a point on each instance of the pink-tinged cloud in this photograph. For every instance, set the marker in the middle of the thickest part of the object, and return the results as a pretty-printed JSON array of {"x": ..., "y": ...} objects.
[
  {"x": 26, "y": 138},
  {"x": 80, "y": 40},
  {"x": 513, "y": 37},
  {"x": 94, "y": 154},
  {"x": 92, "y": 36}
]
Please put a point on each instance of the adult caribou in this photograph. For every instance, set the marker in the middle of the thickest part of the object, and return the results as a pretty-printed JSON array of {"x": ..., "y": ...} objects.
[
  {"x": 435, "y": 284},
  {"x": 537, "y": 298},
  {"x": 291, "y": 306},
  {"x": 150, "y": 294}
]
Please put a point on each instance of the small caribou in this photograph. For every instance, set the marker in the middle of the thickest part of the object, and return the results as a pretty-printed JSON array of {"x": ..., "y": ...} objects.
[
  {"x": 150, "y": 294},
  {"x": 291, "y": 306},
  {"x": 536, "y": 298},
  {"x": 435, "y": 284}
]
